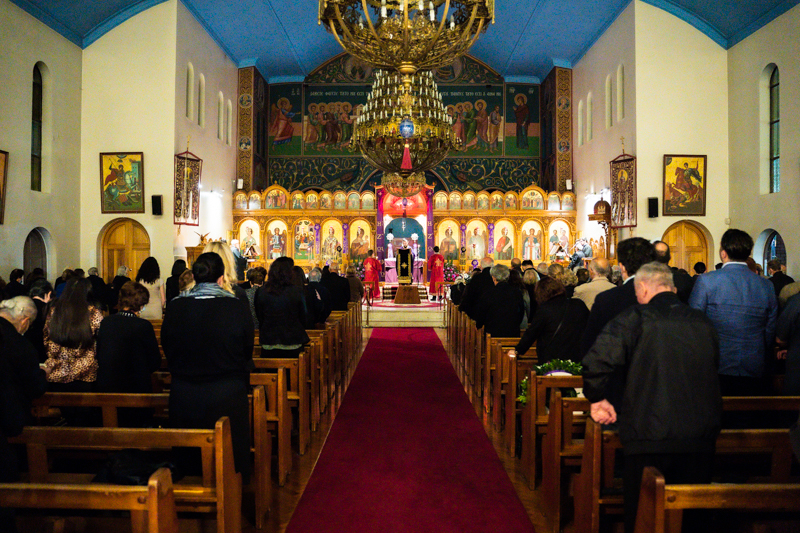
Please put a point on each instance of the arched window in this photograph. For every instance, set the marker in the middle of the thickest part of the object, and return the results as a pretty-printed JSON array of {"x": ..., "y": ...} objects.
[
  {"x": 201, "y": 101},
  {"x": 220, "y": 116},
  {"x": 36, "y": 129},
  {"x": 774, "y": 249},
  {"x": 620, "y": 93},
  {"x": 190, "y": 91},
  {"x": 589, "y": 117},
  {"x": 774, "y": 131},
  {"x": 580, "y": 122},
  {"x": 608, "y": 101},
  {"x": 229, "y": 125}
]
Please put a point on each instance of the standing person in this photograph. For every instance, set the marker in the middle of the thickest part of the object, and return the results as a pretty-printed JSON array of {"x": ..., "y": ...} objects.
[
  {"x": 778, "y": 277},
  {"x": 255, "y": 277},
  {"x": 230, "y": 281},
  {"x": 149, "y": 275},
  {"x": 323, "y": 311},
  {"x": 682, "y": 280},
  {"x": 239, "y": 261},
  {"x": 116, "y": 284},
  {"x": 501, "y": 307},
  {"x": 207, "y": 337},
  {"x": 475, "y": 288},
  {"x": 70, "y": 337},
  {"x": 171, "y": 286},
  {"x": 356, "y": 287},
  {"x": 41, "y": 292},
  {"x": 282, "y": 313},
  {"x": 21, "y": 380},
  {"x": 788, "y": 338},
  {"x": 99, "y": 293},
  {"x": 338, "y": 287},
  {"x": 436, "y": 268},
  {"x": 743, "y": 308},
  {"x": 372, "y": 273},
  {"x": 15, "y": 286},
  {"x": 631, "y": 253},
  {"x": 127, "y": 352},
  {"x": 668, "y": 417},
  {"x": 556, "y": 326},
  {"x": 599, "y": 269}
]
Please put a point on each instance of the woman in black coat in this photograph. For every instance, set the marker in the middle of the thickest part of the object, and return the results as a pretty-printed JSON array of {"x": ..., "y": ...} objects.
[
  {"x": 207, "y": 336},
  {"x": 171, "y": 286},
  {"x": 282, "y": 312},
  {"x": 127, "y": 352},
  {"x": 557, "y": 325}
]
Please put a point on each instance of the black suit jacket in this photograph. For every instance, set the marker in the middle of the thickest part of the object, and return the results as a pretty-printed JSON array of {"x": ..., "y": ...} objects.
[
  {"x": 479, "y": 283},
  {"x": 127, "y": 354},
  {"x": 607, "y": 305},
  {"x": 339, "y": 288},
  {"x": 501, "y": 309}
]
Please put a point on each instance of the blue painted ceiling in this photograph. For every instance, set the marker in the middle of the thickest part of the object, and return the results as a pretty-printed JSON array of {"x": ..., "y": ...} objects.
[{"x": 282, "y": 37}]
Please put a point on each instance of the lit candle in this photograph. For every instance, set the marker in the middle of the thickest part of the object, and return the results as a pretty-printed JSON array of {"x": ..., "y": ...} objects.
[
  {"x": 452, "y": 22},
  {"x": 421, "y": 5},
  {"x": 432, "y": 12},
  {"x": 383, "y": 9}
]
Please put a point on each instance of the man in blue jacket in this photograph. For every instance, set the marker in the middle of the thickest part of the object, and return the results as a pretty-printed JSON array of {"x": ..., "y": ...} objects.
[{"x": 743, "y": 308}]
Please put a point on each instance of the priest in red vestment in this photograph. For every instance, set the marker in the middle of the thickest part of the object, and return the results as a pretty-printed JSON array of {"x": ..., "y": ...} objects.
[
  {"x": 436, "y": 268},
  {"x": 372, "y": 269}
]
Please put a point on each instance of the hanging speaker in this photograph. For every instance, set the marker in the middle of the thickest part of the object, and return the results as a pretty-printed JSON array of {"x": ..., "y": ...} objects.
[
  {"x": 157, "y": 208},
  {"x": 652, "y": 207}
]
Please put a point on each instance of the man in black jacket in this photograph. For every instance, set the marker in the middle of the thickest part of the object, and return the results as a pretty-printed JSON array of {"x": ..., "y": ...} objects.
[
  {"x": 501, "y": 307},
  {"x": 323, "y": 309},
  {"x": 631, "y": 253},
  {"x": 477, "y": 285},
  {"x": 338, "y": 287},
  {"x": 777, "y": 277},
  {"x": 670, "y": 408},
  {"x": 682, "y": 280}
]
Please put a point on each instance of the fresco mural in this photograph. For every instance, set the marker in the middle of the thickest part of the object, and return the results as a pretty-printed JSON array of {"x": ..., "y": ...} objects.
[
  {"x": 285, "y": 119},
  {"x": 532, "y": 200},
  {"x": 331, "y": 241},
  {"x": 522, "y": 120},
  {"x": 276, "y": 199},
  {"x": 477, "y": 118},
  {"x": 331, "y": 112}
]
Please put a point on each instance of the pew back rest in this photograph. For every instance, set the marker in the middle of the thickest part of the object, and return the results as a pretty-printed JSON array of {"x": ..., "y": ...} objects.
[{"x": 108, "y": 402}]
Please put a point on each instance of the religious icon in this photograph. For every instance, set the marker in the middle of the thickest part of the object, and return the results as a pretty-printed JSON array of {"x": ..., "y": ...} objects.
[
  {"x": 275, "y": 199},
  {"x": 532, "y": 241},
  {"x": 311, "y": 201},
  {"x": 333, "y": 235},
  {"x": 504, "y": 243},
  {"x": 440, "y": 201},
  {"x": 367, "y": 201},
  {"x": 553, "y": 203},
  {"x": 448, "y": 240},
  {"x": 511, "y": 201},
  {"x": 558, "y": 242},
  {"x": 304, "y": 241},
  {"x": 455, "y": 201},
  {"x": 568, "y": 203},
  {"x": 353, "y": 201},
  {"x": 532, "y": 200},
  {"x": 497, "y": 201},
  {"x": 277, "y": 239},
  {"x": 359, "y": 246},
  {"x": 339, "y": 200},
  {"x": 298, "y": 201},
  {"x": 240, "y": 201},
  {"x": 477, "y": 240},
  {"x": 469, "y": 201},
  {"x": 255, "y": 201},
  {"x": 325, "y": 201},
  {"x": 248, "y": 239}
]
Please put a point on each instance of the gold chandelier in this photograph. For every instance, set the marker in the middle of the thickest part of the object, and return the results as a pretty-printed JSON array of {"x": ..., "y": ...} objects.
[
  {"x": 406, "y": 35},
  {"x": 404, "y": 130}
]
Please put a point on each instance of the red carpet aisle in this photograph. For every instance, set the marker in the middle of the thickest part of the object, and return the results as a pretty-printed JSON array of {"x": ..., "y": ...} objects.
[{"x": 406, "y": 452}]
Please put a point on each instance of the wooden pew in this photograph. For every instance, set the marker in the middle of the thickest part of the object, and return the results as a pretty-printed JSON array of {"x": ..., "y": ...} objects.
[
  {"x": 592, "y": 494},
  {"x": 661, "y": 506},
  {"x": 535, "y": 418},
  {"x": 219, "y": 490},
  {"x": 499, "y": 377},
  {"x": 152, "y": 507}
]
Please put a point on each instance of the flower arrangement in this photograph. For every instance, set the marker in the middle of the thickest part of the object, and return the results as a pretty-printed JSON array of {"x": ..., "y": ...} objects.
[
  {"x": 359, "y": 266},
  {"x": 450, "y": 271},
  {"x": 556, "y": 365}
]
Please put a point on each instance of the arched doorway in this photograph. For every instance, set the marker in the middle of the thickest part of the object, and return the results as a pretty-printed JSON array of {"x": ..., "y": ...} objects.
[
  {"x": 34, "y": 253},
  {"x": 123, "y": 242},
  {"x": 688, "y": 245}
]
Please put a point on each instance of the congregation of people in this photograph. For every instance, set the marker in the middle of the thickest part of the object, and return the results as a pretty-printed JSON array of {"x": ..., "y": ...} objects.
[
  {"x": 85, "y": 335},
  {"x": 659, "y": 348}
]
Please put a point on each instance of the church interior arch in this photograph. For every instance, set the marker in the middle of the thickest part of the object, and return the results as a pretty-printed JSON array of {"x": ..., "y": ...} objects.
[
  {"x": 123, "y": 241},
  {"x": 689, "y": 244}
]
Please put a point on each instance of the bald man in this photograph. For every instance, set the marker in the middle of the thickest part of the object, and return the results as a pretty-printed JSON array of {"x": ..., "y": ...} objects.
[{"x": 599, "y": 269}]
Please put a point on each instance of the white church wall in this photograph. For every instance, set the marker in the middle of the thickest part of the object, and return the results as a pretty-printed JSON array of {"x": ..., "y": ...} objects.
[
  {"x": 614, "y": 49},
  {"x": 753, "y": 208},
  {"x": 681, "y": 108},
  {"x": 220, "y": 74},
  {"x": 128, "y": 105},
  {"x": 26, "y": 41}
]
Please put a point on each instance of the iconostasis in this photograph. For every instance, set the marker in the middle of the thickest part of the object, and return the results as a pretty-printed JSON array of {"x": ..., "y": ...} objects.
[{"x": 318, "y": 227}]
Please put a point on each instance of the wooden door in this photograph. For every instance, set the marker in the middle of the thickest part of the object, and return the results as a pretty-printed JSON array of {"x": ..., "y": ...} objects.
[
  {"x": 687, "y": 244},
  {"x": 34, "y": 254},
  {"x": 125, "y": 242}
]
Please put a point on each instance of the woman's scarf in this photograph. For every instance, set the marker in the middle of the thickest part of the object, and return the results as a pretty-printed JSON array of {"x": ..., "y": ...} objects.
[{"x": 203, "y": 291}]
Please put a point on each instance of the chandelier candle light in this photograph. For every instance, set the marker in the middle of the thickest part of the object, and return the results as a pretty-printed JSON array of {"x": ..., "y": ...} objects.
[
  {"x": 406, "y": 35},
  {"x": 404, "y": 130}
]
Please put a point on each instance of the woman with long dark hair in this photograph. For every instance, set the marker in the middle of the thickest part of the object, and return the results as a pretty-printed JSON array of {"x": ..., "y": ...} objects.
[
  {"x": 149, "y": 275},
  {"x": 70, "y": 337},
  {"x": 282, "y": 312},
  {"x": 557, "y": 325},
  {"x": 171, "y": 289}
]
